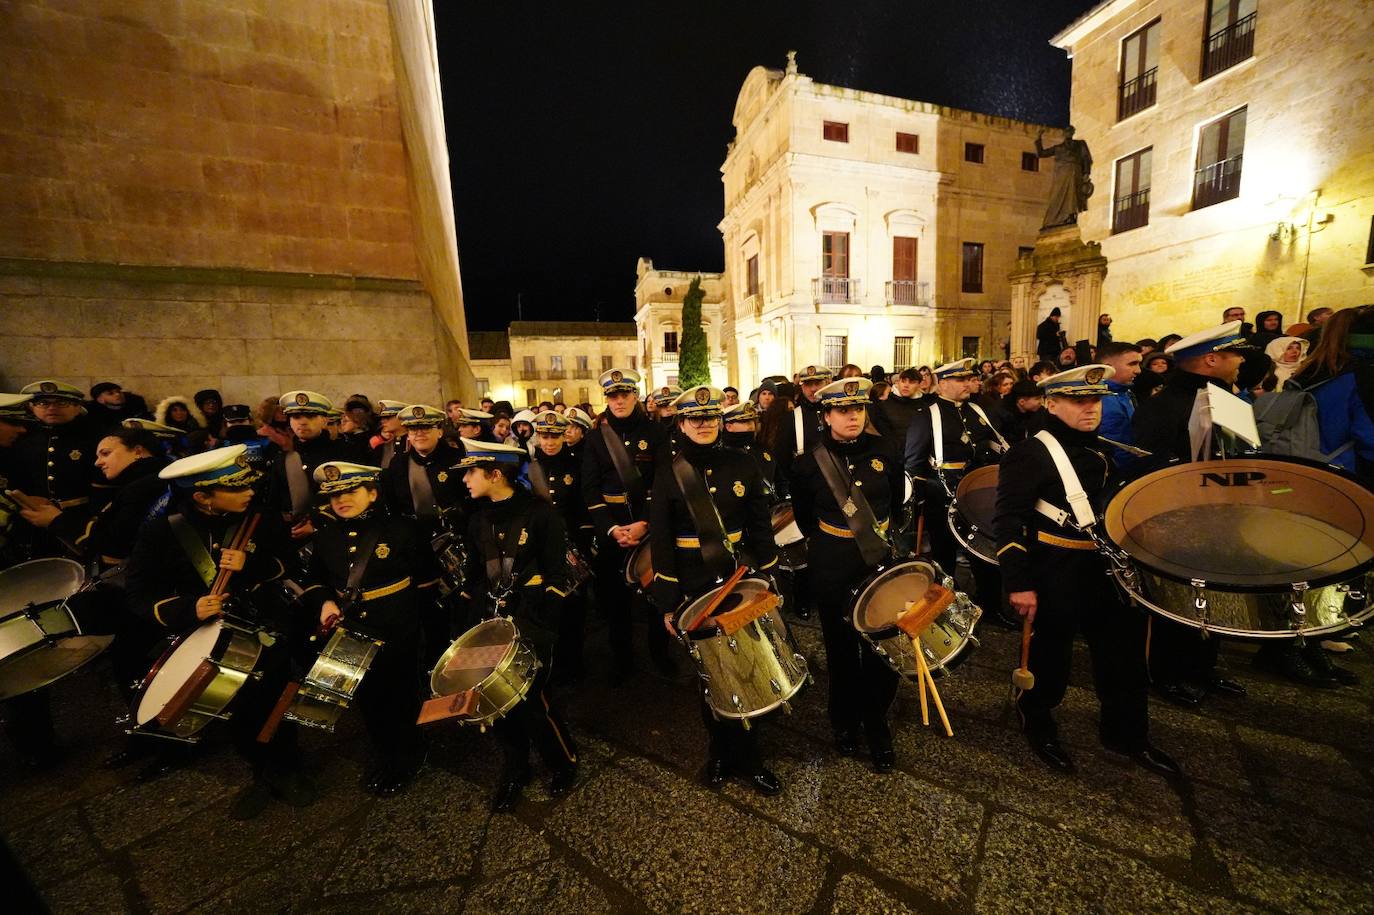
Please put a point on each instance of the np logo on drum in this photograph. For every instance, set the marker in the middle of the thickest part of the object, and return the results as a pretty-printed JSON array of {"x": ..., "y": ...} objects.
[{"x": 1235, "y": 478}]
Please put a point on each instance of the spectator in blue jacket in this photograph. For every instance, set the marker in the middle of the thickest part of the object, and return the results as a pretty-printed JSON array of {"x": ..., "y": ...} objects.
[
  {"x": 1118, "y": 407},
  {"x": 1340, "y": 374}
]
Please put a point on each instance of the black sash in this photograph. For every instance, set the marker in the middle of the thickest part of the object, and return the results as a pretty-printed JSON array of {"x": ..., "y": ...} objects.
[
  {"x": 629, "y": 474},
  {"x": 539, "y": 480},
  {"x": 717, "y": 553},
  {"x": 853, "y": 505},
  {"x": 421, "y": 492},
  {"x": 388, "y": 453},
  {"x": 353, "y": 585},
  {"x": 297, "y": 484},
  {"x": 498, "y": 565},
  {"x": 194, "y": 547}
]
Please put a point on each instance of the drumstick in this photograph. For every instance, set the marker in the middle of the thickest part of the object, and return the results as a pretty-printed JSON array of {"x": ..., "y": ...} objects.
[
  {"x": 934, "y": 693},
  {"x": 921, "y": 683},
  {"x": 716, "y": 601},
  {"x": 240, "y": 540},
  {"x": 920, "y": 532}
]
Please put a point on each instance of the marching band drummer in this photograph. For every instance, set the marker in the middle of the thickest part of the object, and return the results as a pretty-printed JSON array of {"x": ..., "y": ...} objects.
[
  {"x": 291, "y": 484},
  {"x": 168, "y": 581},
  {"x": 554, "y": 476},
  {"x": 741, "y": 425},
  {"x": 846, "y": 491},
  {"x": 518, "y": 551},
  {"x": 579, "y": 424},
  {"x": 1056, "y": 578},
  {"x": 698, "y": 544},
  {"x": 375, "y": 574}
]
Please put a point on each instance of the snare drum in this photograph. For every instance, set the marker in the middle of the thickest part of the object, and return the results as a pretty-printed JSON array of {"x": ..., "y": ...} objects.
[
  {"x": 579, "y": 572},
  {"x": 333, "y": 680},
  {"x": 788, "y": 537},
  {"x": 972, "y": 510},
  {"x": 885, "y": 594},
  {"x": 448, "y": 549},
  {"x": 752, "y": 672},
  {"x": 231, "y": 650},
  {"x": 40, "y": 638},
  {"x": 639, "y": 569},
  {"x": 492, "y": 660},
  {"x": 1258, "y": 547}
]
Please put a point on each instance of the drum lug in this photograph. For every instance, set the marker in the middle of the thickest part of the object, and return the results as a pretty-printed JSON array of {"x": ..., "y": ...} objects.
[
  {"x": 777, "y": 689},
  {"x": 1200, "y": 604},
  {"x": 787, "y": 708},
  {"x": 734, "y": 647},
  {"x": 1296, "y": 607}
]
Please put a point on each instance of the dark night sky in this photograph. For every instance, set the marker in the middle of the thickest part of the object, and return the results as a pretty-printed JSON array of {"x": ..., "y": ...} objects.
[{"x": 582, "y": 137}]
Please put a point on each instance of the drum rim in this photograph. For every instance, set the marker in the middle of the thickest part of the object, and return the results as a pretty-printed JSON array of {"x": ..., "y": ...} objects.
[
  {"x": 46, "y": 560},
  {"x": 708, "y": 632},
  {"x": 953, "y": 513},
  {"x": 512, "y": 649},
  {"x": 1132, "y": 486},
  {"x": 862, "y": 587}
]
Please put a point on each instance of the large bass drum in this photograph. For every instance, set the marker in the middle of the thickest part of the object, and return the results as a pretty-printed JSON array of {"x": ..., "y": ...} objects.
[
  {"x": 40, "y": 638},
  {"x": 231, "y": 653},
  {"x": 752, "y": 672},
  {"x": 881, "y": 597},
  {"x": 1258, "y": 547},
  {"x": 971, "y": 512}
]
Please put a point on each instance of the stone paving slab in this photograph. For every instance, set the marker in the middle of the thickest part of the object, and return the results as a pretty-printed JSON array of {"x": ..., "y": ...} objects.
[{"x": 1275, "y": 815}]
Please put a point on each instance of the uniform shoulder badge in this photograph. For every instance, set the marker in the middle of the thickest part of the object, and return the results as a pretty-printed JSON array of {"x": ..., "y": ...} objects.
[
  {"x": 643, "y": 445},
  {"x": 75, "y": 455},
  {"x": 524, "y": 537},
  {"x": 382, "y": 551},
  {"x": 567, "y": 479},
  {"x": 443, "y": 476},
  {"x": 739, "y": 489},
  {"x": 767, "y": 456},
  {"x": 876, "y": 465}
]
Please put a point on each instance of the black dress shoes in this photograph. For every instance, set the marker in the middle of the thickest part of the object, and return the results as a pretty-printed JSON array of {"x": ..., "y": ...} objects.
[
  {"x": 509, "y": 790},
  {"x": 1226, "y": 687},
  {"x": 884, "y": 760},
  {"x": 251, "y": 801},
  {"x": 880, "y": 747},
  {"x": 1287, "y": 660},
  {"x": 847, "y": 743},
  {"x": 563, "y": 781},
  {"x": 1185, "y": 695},
  {"x": 765, "y": 783},
  {"x": 1153, "y": 759},
  {"x": 1051, "y": 752},
  {"x": 1320, "y": 661},
  {"x": 715, "y": 773}
]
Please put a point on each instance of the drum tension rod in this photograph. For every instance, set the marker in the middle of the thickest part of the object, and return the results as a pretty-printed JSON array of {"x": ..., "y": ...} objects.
[
  {"x": 1200, "y": 604},
  {"x": 1297, "y": 607}
]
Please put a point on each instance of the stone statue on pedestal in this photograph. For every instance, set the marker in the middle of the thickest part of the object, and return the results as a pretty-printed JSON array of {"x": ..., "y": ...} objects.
[{"x": 1072, "y": 184}]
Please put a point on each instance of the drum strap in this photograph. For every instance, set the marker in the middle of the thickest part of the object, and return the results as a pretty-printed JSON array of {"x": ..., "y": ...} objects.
[
  {"x": 354, "y": 583},
  {"x": 1079, "y": 504},
  {"x": 388, "y": 453},
  {"x": 421, "y": 492},
  {"x": 800, "y": 444},
  {"x": 984, "y": 417},
  {"x": 854, "y": 506},
  {"x": 717, "y": 553},
  {"x": 625, "y": 468},
  {"x": 297, "y": 484},
  {"x": 500, "y": 567},
  {"x": 539, "y": 480},
  {"x": 937, "y": 431},
  {"x": 194, "y": 548}
]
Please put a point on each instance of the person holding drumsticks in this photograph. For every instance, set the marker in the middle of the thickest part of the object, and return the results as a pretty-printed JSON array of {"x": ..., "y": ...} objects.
[
  {"x": 1059, "y": 583},
  {"x": 845, "y": 492},
  {"x": 702, "y": 529}
]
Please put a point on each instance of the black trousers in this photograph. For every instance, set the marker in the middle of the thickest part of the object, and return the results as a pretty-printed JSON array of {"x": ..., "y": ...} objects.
[
  {"x": 390, "y": 702},
  {"x": 536, "y": 722},
  {"x": 250, "y": 709},
  {"x": 1075, "y": 594},
  {"x": 730, "y": 742},
  {"x": 862, "y": 685},
  {"x": 1179, "y": 653},
  {"x": 944, "y": 549},
  {"x": 619, "y": 605}
]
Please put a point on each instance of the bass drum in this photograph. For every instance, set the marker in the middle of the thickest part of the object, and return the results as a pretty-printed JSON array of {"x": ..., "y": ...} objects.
[
  {"x": 40, "y": 638},
  {"x": 1257, "y": 547},
  {"x": 231, "y": 650},
  {"x": 880, "y": 598},
  {"x": 752, "y": 672},
  {"x": 788, "y": 537},
  {"x": 972, "y": 510}
]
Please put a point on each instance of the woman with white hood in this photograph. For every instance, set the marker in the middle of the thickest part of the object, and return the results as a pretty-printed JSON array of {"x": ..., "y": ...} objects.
[{"x": 1287, "y": 353}]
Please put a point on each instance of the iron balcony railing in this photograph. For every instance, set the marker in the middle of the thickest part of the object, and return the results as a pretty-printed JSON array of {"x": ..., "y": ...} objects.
[
  {"x": 1131, "y": 211},
  {"x": 1229, "y": 46},
  {"x": 753, "y": 304},
  {"x": 908, "y": 292},
  {"x": 835, "y": 290},
  {"x": 1136, "y": 94},
  {"x": 1216, "y": 182}
]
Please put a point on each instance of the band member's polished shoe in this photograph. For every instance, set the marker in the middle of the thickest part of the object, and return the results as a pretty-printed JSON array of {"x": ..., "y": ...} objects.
[
  {"x": 1226, "y": 687},
  {"x": 884, "y": 760},
  {"x": 294, "y": 788},
  {"x": 847, "y": 743},
  {"x": 765, "y": 783},
  {"x": 251, "y": 801},
  {"x": 563, "y": 781},
  {"x": 1288, "y": 660},
  {"x": 1181, "y": 694},
  {"x": 1051, "y": 752},
  {"x": 715, "y": 773},
  {"x": 880, "y": 747},
  {"x": 1151, "y": 758},
  {"x": 1320, "y": 661},
  {"x": 509, "y": 790}
]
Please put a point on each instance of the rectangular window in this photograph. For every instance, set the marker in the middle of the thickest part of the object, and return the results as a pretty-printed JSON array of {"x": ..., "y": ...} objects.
[
  {"x": 1030, "y": 162},
  {"x": 1139, "y": 67},
  {"x": 483, "y": 387},
  {"x": 531, "y": 397},
  {"x": 607, "y": 363},
  {"x": 908, "y": 142},
  {"x": 1024, "y": 251},
  {"x": 670, "y": 341},
  {"x": 1131, "y": 203},
  {"x": 903, "y": 258},
  {"x": 835, "y": 130},
  {"x": 582, "y": 363},
  {"x": 1219, "y": 153},
  {"x": 528, "y": 364},
  {"x": 835, "y": 254},
  {"x": 634, "y": 363},
  {"x": 1230, "y": 35},
  {"x": 582, "y": 396},
  {"x": 901, "y": 353},
  {"x": 751, "y": 276},
  {"x": 973, "y": 267},
  {"x": 836, "y": 351},
  {"x": 556, "y": 364},
  {"x": 973, "y": 152},
  {"x": 969, "y": 347}
]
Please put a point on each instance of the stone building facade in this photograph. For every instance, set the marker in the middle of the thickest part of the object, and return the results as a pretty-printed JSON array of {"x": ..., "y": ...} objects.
[
  {"x": 558, "y": 361},
  {"x": 658, "y": 319},
  {"x": 1233, "y": 148},
  {"x": 869, "y": 229},
  {"x": 227, "y": 194}
]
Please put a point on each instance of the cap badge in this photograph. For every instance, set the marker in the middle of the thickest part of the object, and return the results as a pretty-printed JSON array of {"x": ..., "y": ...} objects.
[
  {"x": 810, "y": 370},
  {"x": 418, "y": 412},
  {"x": 851, "y": 388},
  {"x": 302, "y": 399},
  {"x": 617, "y": 376},
  {"x": 134, "y": 423},
  {"x": 1094, "y": 376},
  {"x": 331, "y": 473},
  {"x": 48, "y": 387},
  {"x": 703, "y": 396}
]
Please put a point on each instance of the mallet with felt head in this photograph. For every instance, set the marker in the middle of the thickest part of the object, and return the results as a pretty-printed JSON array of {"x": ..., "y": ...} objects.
[{"x": 1021, "y": 677}]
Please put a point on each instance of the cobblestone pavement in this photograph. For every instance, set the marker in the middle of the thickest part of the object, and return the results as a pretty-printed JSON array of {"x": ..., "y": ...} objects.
[{"x": 1275, "y": 814}]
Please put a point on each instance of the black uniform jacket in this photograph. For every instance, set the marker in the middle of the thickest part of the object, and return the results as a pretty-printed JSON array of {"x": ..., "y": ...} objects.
[
  {"x": 763, "y": 458},
  {"x": 741, "y": 497},
  {"x": 313, "y": 453},
  {"x": 956, "y": 420},
  {"x": 1161, "y": 421},
  {"x": 564, "y": 473},
  {"x": 108, "y": 535},
  {"x": 1027, "y": 541},
  {"x": 450, "y": 495},
  {"x": 58, "y": 463},
  {"x": 162, "y": 583},
  {"x": 874, "y": 467},
  {"x": 602, "y": 490},
  {"x": 892, "y": 417},
  {"x": 530, "y": 531},
  {"x": 401, "y": 572}
]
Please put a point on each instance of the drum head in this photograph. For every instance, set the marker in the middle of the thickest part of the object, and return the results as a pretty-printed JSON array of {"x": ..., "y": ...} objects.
[
  {"x": 175, "y": 668},
  {"x": 1252, "y": 524},
  {"x": 785, "y": 530},
  {"x": 39, "y": 668},
  {"x": 977, "y": 496},
  {"x": 474, "y": 656},
  {"x": 744, "y": 590},
  {"x": 42, "y": 581},
  {"x": 885, "y": 595}
]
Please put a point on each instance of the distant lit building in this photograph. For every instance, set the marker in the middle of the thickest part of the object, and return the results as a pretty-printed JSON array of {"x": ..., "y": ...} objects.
[
  {"x": 869, "y": 229},
  {"x": 557, "y": 361},
  {"x": 658, "y": 319},
  {"x": 1232, "y": 156}
]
